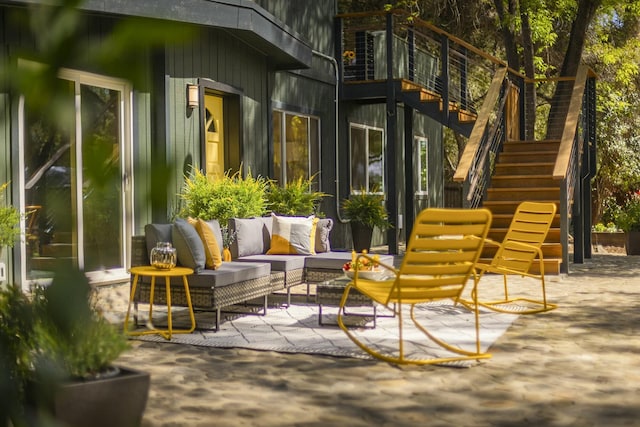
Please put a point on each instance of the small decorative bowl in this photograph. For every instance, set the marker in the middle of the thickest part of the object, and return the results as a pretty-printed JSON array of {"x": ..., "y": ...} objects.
[{"x": 365, "y": 274}]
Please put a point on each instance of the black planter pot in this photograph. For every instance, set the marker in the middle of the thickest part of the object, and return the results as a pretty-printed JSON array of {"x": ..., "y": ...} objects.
[
  {"x": 361, "y": 235},
  {"x": 116, "y": 401},
  {"x": 633, "y": 243}
]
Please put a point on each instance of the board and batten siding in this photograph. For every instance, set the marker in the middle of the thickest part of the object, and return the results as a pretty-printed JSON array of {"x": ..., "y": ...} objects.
[
  {"x": 220, "y": 58},
  {"x": 311, "y": 19}
]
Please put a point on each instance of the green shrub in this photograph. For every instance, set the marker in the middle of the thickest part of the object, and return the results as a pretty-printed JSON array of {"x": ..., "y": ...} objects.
[
  {"x": 231, "y": 196},
  {"x": 51, "y": 336},
  {"x": 16, "y": 348},
  {"x": 294, "y": 199},
  {"x": 77, "y": 342},
  {"x": 611, "y": 211},
  {"x": 9, "y": 222},
  {"x": 629, "y": 219},
  {"x": 610, "y": 227},
  {"x": 367, "y": 208}
]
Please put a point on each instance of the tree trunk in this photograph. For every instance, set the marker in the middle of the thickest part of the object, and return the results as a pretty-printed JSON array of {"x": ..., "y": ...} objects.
[
  {"x": 529, "y": 71},
  {"x": 511, "y": 50},
  {"x": 560, "y": 101}
]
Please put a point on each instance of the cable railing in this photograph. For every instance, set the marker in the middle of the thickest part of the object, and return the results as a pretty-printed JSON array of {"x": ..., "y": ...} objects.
[
  {"x": 477, "y": 160},
  {"x": 483, "y": 165},
  {"x": 421, "y": 53}
]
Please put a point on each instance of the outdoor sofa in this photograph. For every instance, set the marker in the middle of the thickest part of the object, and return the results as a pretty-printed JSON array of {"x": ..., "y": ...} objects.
[{"x": 254, "y": 272}]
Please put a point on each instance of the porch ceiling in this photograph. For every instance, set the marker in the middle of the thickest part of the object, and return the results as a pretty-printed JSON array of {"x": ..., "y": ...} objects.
[{"x": 243, "y": 18}]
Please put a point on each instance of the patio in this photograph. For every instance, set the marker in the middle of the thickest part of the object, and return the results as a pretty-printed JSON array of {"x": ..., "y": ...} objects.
[{"x": 576, "y": 365}]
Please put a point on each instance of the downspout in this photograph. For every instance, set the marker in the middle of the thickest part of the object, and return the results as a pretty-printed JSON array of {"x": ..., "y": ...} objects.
[{"x": 337, "y": 82}]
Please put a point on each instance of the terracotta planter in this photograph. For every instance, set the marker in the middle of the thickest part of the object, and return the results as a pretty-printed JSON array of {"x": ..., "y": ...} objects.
[
  {"x": 361, "y": 235},
  {"x": 116, "y": 401},
  {"x": 633, "y": 243}
]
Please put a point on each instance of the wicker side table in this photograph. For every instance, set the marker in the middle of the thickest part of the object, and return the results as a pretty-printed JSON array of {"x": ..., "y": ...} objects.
[{"x": 329, "y": 293}]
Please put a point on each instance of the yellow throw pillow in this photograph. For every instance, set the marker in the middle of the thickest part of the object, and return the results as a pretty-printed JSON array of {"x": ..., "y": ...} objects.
[
  {"x": 293, "y": 235},
  {"x": 211, "y": 248}
]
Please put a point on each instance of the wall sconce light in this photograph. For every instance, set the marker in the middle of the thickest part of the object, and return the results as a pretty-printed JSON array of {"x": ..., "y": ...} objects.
[{"x": 192, "y": 96}]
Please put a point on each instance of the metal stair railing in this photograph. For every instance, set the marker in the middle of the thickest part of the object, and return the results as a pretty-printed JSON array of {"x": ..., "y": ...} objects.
[
  {"x": 477, "y": 160},
  {"x": 569, "y": 167}
]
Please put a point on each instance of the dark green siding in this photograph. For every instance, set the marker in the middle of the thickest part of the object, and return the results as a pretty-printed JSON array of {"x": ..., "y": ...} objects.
[
  {"x": 219, "y": 58},
  {"x": 311, "y": 19}
]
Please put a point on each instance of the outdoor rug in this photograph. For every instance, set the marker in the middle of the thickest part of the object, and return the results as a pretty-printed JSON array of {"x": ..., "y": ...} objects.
[{"x": 295, "y": 329}]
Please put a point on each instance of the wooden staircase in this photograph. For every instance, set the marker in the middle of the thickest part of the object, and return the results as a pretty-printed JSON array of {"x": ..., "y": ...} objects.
[
  {"x": 429, "y": 96},
  {"x": 524, "y": 171}
]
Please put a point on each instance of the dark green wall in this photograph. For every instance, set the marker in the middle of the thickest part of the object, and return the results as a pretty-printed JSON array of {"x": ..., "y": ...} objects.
[
  {"x": 311, "y": 19},
  {"x": 218, "y": 57}
]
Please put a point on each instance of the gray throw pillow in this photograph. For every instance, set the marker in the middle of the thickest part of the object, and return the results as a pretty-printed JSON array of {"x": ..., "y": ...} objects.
[
  {"x": 323, "y": 228},
  {"x": 249, "y": 237},
  {"x": 188, "y": 245}
]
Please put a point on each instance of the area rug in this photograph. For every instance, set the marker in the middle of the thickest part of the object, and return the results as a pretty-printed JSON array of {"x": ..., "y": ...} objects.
[{"x": 295, "y": 329}]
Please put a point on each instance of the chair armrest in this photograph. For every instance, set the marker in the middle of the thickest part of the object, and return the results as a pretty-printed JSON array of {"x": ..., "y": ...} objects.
[
  {"x": 525, "y": 246},
  {"x": 491, "y": 242}
]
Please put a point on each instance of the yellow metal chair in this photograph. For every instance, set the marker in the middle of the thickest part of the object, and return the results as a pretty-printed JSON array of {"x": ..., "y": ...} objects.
[
  {"x": 516, "y": 255},
  {"x": 441, "y": 253}
]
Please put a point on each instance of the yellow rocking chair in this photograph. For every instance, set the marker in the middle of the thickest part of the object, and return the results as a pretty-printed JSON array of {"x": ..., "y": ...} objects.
[
  {"x": 516, "y": 254},
  {"x": 441, "y": 253}
]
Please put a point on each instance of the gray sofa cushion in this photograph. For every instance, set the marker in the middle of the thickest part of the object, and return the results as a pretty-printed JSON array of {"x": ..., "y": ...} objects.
[
  {"x": 278, "y": 262},
  {"x": 252, "y": 236},
  {"x": 188, "y": 245},
  {"x": 227, "y": 274}
]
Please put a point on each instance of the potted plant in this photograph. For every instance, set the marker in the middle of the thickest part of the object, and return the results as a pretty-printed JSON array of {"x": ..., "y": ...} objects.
[
  {"x": 607, "y": 235},
  {"x": 231, "y": 196},
  {"x": 60, "y": 358},
  {"x": 629, "y": 221},
  {"x": 295, "y": 198},
  {"x": 365, "y": 210}
]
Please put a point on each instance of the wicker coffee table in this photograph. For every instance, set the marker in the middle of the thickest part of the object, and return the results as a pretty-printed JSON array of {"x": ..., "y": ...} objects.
[{"x": 329, "y": 293}]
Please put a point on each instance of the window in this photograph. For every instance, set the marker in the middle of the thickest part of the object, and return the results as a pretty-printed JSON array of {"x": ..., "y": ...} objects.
[
  {"x": 422, "y": 161},
  {"x": 367, "y": 158},
  {"x": 296, "y": 145},
  {"x": 78, "y": 204}
]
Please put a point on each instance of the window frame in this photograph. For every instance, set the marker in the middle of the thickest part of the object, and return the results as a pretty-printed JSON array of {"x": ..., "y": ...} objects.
[
  {"x": 125, "y": 134},
  {"x": 313, "y": 147},
  {"x": 367, "y": 129},
  {"x": 419, "y": 141}
]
